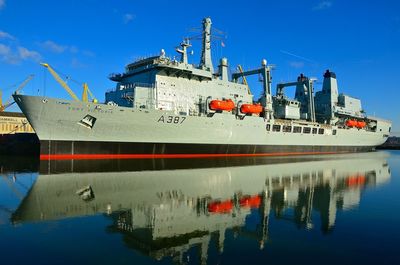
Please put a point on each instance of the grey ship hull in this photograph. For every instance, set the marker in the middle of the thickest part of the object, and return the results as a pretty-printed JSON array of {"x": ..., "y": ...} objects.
[{"x": 122, "y": 132}]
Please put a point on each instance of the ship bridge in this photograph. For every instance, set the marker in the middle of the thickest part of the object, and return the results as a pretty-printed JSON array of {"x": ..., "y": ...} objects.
[{"x": 165, "y": 83}]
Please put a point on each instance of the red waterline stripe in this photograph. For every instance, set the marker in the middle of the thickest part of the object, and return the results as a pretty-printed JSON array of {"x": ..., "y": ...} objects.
[{"x": 155, "y": 156}]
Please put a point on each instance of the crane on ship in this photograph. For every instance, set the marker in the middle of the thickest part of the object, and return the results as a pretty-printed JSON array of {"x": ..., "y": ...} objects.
[
  {"x": 10, "y": 102},
  {"x": 244, "y": 78},
  {"x": 86, "y": 93},
  {"x": 86, "y": 90}
]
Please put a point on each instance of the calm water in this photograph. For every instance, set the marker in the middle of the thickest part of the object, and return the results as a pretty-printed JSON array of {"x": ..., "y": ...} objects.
[{"x": 305, "y": 210}]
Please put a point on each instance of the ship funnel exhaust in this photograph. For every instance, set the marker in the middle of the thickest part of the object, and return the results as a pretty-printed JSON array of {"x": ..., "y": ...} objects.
[
  {"x": 330, "y": 84},
  {"x": 206, "y": 62}
]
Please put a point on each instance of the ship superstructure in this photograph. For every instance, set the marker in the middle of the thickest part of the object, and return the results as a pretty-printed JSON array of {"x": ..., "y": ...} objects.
[{"x": 162, "y": 106}]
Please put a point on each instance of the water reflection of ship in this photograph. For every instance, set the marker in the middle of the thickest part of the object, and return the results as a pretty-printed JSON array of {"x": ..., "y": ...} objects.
[{"x": 168, "y": 212}]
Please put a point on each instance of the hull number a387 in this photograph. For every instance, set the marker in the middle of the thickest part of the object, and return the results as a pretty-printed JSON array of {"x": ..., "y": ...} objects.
[{"x": 171, "y": 119}]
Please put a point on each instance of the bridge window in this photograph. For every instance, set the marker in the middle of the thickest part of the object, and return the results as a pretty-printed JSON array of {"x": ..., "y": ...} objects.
[
  {"x": 314, "y": 130},
  {"x": 268, "y": 127},
  {"x": 286, "y": 128},
  {"x": 306, "y": 130},
  {"x": 297, "y": 129},
  {"x": 321, "y": 131},
  {"x": 276, "y": 128},
  {"x": 334, "y": 132}
]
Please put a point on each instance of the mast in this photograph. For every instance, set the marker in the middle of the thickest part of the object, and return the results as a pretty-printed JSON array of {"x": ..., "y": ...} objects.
[
  {"x": 185, "y": 44},
  {"x": 206, "y": 63}
]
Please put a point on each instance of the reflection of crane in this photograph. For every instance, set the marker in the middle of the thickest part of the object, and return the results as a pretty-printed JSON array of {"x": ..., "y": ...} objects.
[
  {"x": 60, "y": 81},
  {"x": 10, "y": 101}
]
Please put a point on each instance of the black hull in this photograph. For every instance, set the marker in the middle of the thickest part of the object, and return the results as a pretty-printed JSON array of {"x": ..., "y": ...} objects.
[{"x": 104, "y": 150}]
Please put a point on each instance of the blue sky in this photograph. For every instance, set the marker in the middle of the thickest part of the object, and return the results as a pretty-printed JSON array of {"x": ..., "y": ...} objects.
[{"x": 89, "y": 39}]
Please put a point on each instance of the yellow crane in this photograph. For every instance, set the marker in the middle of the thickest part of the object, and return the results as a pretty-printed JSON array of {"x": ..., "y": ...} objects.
[
  {"x": 244, "y": 78},
  {"x": 10, "y": 101},
  {"x": 86, "y": 89},
  {"x": 60, "y": 81}
]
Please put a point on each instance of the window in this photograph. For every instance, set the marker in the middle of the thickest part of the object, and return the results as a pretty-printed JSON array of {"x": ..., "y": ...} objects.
[
  {"x": 390, "y": 128},
  {"x": 286, "y": 128},
  {"x": 297, "y": 129},
  {"x": 314, "y": 130},
  {"x": 268, "y": 127},
  {"x": 334, "y": 132},
  {"x": 306, "y": 130},
  {"x": 321, "y": 131},
  {"x": 276, "y": 128}
]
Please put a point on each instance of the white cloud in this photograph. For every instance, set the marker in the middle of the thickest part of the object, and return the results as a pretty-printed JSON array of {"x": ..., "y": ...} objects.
[
  {"x": 53, "y": 47},
  {"x": 2, "y": 3},
  {"x": 4, "y": 50},
  {"x": 73, "y": 49},
  {"x": 15, "y": 56},
  {"x": 26, "y": 54},
  {"x": 13, "y": 53},
  {"x": 75, "y": 63},
  {"x": 88, "y": 53},
  {"x": 322, "y": 5},
  {"x": 5, "y": 35},
  {"x": 7, "y": 55},
  {"x": 296, "y": 64},
  {"x": 128, "y": 18}
]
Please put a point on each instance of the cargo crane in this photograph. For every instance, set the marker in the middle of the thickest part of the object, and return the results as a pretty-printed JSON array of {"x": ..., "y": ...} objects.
[
  {"x": 86, "y": 93},
  {"x": 86, "y": 90},
  {"x": 304, "y": 97},
  {"x": 10, "y": 102},
  {"x": 244, "y": 78},
  {"x": 266, "y": 99}
]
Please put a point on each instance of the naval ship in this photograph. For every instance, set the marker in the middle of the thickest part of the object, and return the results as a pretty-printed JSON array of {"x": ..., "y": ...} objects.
[
  {"x": 167, "y": 108},
  {"x": 169, "y": 212}
]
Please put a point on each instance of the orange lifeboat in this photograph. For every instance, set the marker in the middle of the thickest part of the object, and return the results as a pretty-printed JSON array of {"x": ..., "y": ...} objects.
[
  {"x": 250, "y": 201},
  {"x": 361, "y": 124},
  {"x": 351, "y": 123},
  {"x": 227, "y": 105},
  {"x": 251, "y": 108},
  {"x": 220, "y": 206}
]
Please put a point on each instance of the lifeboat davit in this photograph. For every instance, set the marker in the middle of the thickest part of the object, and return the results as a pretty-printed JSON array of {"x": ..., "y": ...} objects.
[
  {"x": 351, "y": 123},
  {"x": 226, "y": 105},
  {"x": 251, "y": 108},
  {"x": 220, "y": 206},
  {"x": 250, "y": 201}
]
